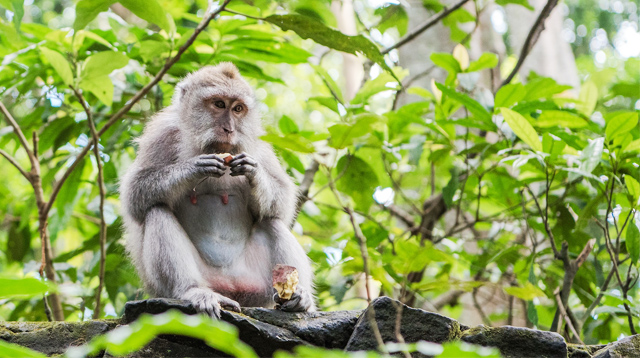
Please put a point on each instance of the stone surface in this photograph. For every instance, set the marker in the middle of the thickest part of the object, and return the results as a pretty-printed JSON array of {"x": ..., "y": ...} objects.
[
  {"x": 517, "y": 342},
  {"x": 416, "y": 324},
  {"x": 263, "y": 337},
  {"x": 53, "y": 337},
  {"x": 267, "y": 331},
  {"x": 324, "y": 329},
  {"x": 628, "y": 347}
]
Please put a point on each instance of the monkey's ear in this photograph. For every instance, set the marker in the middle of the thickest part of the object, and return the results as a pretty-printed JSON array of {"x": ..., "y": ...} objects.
[
  {"x": 178, "y": 93},
  {"x": 229, "y": 69}
]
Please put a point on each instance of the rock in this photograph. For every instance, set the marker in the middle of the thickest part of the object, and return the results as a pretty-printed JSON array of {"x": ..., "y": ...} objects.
[
  {"x": 517, "y": 342},
  {"x": 628, "y": 347},
  {"x": 324, "y": 329},
  {"x": 53, "y": 337},
  {"x": 133, "y": 309},
  {"x": 416, "y": 325},
  {"x": 263, "y": 337}
]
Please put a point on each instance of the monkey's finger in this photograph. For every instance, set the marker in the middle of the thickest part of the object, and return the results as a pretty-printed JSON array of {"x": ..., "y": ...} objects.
[
  {"x": 211, "y": 156},
  {"x": 292, "y": 305},
  {"x": 244, "y": 160},
  {"x": 229, "y": 304},
  {"x": 212, "y": 171},
  {"x": 209, "y": 163}
]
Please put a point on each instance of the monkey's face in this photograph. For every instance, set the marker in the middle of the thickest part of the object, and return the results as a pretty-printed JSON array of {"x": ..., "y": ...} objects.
[{"x": 218, "y": 107}]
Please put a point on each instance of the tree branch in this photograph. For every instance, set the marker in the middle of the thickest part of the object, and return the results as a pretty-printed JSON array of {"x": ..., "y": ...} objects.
[
  {"x": 425, "y": 26},
  {"x": 532, "y": 38},
  {"x": 137, "y": 97},
  {"x": 305, "y": 185},
  {"x": 102, "y": 189},
  {"x": 17, "y": 131},
  {"x": 15, "y": 163}
]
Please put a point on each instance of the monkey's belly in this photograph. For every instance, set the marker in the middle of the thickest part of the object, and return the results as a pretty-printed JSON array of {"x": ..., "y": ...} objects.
[{"x": 219, "y": 231}]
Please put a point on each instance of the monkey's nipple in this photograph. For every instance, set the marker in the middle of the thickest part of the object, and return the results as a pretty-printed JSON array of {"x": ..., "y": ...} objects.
[
  {"x": 193, "y": 198},
  {"x": 225, "y": 198}
]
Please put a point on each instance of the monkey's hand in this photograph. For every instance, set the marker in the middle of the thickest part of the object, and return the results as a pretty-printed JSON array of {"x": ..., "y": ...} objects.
[
  {"x": 243, "y": 164},
  {"x": 204, "y": 300},
  {"x": 300, "y": 301},
  {"x": 207, "y": 165}
]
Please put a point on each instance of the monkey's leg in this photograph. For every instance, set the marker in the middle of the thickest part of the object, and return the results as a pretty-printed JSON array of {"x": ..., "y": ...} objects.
[
  {"x": 173, "y": 266},
  {"x": 286, "y": 250}
]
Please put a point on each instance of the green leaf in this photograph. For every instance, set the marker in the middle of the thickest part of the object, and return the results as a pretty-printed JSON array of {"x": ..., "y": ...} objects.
[
  {"x": 333, "y": 86},
  {"x": 343, "y": 135},
  {"x": 149, "y": 10},
  {"x": 18, "y": 287},
  {"x": 450, "y": 189},
  {"x": 620, "y": 124},
  {"x": 125, "y": 340},
  {"x": 151, "y": 49},
  {"x": 633, "y": 187},
  {"x": 291, "y": 141},
  {"x": 633, "y": 146},
  {"x": 509, "y": 95},
  {"x": 384, "y": 82},
  {"x": 633, "y": 241},
  {"x": 588, "y": 97},
  {"x": 522, "y": 128},
  {"x": 356, "y": 179},
  {"x": 308, "y": 28},
  {"x": 287, "y": 125},
  {"x": 101, "y": 87},
  {"x": 527, "y": 293},
  {"x": 486, "y": 60},
  {"x": 17, "y": 7},
  {"x": 590, "y": 158},
  {"x": 328, "y": 102},
  {"x": 551, "y": 118},
  {"x": 471, "y": 104},
  {"x": 59, "y": 63},
  {"x": 10, "y": 350},
  {"x": 103, "y": 63},
  {"x": 543, "y": 87},
  {"x": 552, "y": 144},
  {"x": 446, "y": 61},
  {"x": 524, "y": 3},
  {"x": 87, "y": 10},
  {"x": 392, "y": 16}
]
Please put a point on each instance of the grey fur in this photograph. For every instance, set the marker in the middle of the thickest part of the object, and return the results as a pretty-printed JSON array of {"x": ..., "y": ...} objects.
[{"x": 190, "y": 251}]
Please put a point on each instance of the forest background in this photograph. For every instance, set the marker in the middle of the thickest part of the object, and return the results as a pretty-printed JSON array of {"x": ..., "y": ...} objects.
[{"x": 476, "y": 158}]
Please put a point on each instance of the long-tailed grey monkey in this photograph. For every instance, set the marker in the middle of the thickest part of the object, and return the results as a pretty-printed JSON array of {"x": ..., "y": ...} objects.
[{"x": 202, "y": 231}]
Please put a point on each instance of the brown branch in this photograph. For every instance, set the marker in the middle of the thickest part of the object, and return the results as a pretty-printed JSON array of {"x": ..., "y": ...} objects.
[
  {"x": 15, "y": 163},
  {"x": 102, "y": 189},
  {"x": 566, "y": 317},
  {"x": 17, "y": 131},
  {"x": 305, "y": 185},
  {"x": 137, "y": 97},
  {"x": 424, "y": 27},
  {"x": 532, "y": 38}
]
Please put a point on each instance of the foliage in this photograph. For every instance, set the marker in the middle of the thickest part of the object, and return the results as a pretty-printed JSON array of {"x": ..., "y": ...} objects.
[{"x": 527, "y": 175}]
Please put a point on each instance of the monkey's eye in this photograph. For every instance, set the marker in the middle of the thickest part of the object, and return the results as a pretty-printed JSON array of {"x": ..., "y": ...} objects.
[
  {"x": 238, "y": 108},
  {"x": 219, "y": 104}
]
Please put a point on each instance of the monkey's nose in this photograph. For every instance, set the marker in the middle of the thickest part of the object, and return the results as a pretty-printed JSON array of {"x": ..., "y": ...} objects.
[{"x": 228, "y": 130}]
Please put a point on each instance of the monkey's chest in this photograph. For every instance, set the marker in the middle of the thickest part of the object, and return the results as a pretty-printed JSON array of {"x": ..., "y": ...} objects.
[{"x": 219, "y": 226}]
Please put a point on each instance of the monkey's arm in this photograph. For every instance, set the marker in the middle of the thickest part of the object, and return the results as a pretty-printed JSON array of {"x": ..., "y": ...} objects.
[
  {"x": 156, "y": 177},
  {"x": 273, "y": 193}
]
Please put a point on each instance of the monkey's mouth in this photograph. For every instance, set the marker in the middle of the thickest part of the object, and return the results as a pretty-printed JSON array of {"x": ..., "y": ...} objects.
[{"x": 219, "y": 147}]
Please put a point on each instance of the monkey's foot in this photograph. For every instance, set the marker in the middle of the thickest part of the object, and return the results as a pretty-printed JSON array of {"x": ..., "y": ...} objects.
[
  {"x": 301, "y": 301},
  {"x": 204, "y": 300}
]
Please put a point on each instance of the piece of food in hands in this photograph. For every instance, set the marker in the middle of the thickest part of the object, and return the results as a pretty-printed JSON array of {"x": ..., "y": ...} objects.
[
  {"x": 285, "y": 280},
  {"x": 226, "y": 157}
]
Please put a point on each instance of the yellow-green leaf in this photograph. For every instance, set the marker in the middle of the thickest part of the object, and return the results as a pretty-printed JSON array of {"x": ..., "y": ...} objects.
[
  {"x": 29, "y": 286},
  {"x": 527, "y": 293},
  {"x": 588, "y": 97},
  {"x": 101, "y": 87},
  {"x": 620, "y": 124},
  {"x": 59, "y": 63},
  {"x": 522, "y": 128},
  {"x": 103, "y": 63},
  {"x": 633, "y": 187}
]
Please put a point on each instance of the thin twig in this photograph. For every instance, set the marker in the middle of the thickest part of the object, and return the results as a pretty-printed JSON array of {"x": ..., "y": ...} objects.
[
  {"x": 424, "y": 27},
  {"x": 137, "y": 97},
  {"x": 532, "y": 38},
  {"x": 15, "y": 163},
  {"x": 102, "y": 190},
  {"x": 17, "y": 131},
  {"x": 564, "y": 314}
]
